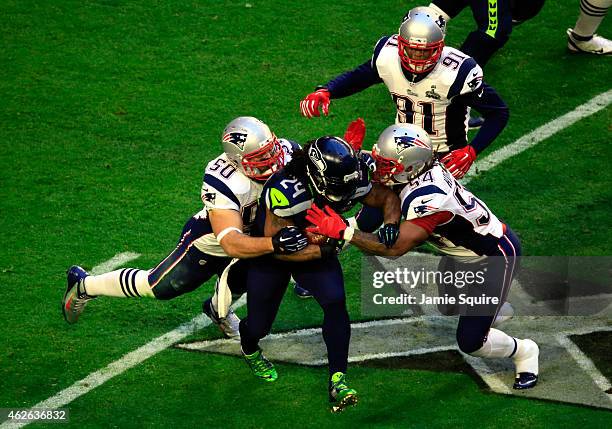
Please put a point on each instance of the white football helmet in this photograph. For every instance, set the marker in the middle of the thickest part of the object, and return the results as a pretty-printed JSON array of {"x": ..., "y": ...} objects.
[
  {"x": 252, "y": 147},
  {"x": 420, "y": 40},
  {"x": 401, "y": 152}
]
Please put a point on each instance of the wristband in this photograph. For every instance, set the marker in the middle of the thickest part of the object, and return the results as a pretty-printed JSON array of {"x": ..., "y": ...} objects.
[
  {"x": 227, "y": 231},
  {"x": 348, "y": 233}
]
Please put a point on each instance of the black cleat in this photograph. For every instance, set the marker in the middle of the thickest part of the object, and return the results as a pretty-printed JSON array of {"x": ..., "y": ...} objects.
[{"x": 525, "y": 380}]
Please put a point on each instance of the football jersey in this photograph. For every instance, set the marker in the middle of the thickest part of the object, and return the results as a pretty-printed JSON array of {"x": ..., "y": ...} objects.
[
  {"x": 472, "y": 230},
  {"x": 426, "y": 102},
  {"x": 225, "y": 187},
  {"x": 289, "y": 197}
]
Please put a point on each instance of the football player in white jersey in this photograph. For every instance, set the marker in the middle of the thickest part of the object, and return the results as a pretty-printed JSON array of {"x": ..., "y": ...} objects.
[
  {"x": 438, "y": 209},
  {"x": 212, "y": 237},
  {"x": 432, "y": 85}
]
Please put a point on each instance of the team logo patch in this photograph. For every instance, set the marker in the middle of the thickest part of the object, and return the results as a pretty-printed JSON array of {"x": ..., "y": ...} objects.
[
  {"x": 432, "y": 93},
  {"x": 404, "y": 142},
  {"x": 239, "y": 139},
  {"x": 210, "y": 197},
  {"x": 277, "y": 199},
  {"x": 475, "y": 83},
  {"x": 317, "y": 158}
]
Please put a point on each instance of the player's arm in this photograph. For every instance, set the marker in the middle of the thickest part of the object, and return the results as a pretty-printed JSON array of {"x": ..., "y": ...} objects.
[
  {"x": 495, "y": 112},
  {"x": 344, "y": 85},
  {"x": 274, "y": 224},
  {"x": 410, "y": 236},
  {"x": 227, "y": 227},
  {"x": 385, "y": 199}
]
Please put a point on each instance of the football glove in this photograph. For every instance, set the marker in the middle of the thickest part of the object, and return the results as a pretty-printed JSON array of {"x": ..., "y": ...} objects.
[
  {"x": 289, "y": 239},
  {"x": 310, "y": 105},
  {"x": 369, "y": 160},
  {"x": 388, "y": 234},
  {"x": 355, "y": 133},
  {"x": 326, "y": 222},
  {"x": 459, "y": 161}
]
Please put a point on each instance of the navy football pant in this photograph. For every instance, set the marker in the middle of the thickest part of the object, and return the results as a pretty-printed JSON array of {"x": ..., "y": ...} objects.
[
  {"x": 186, "y": 268},
  {"x": 501, "y": 268},
  {"x": 267, "y": 281}
]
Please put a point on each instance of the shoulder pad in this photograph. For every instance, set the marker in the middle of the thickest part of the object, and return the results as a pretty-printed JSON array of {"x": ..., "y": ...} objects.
[
  {"x": 378, "y": 47},
  {"x": 468, "y": 78},
  {"x": 286, "y": 197},
  {"x": 224, "y": 186},
  {"x": 429, "y": 196}
]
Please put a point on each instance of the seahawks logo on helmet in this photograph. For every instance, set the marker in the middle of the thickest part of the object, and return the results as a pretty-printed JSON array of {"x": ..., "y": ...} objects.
[
  {"x": 317, "y": 158},
  {"x": 239, "y": 139},
  {"x": 404, "y": 142}
]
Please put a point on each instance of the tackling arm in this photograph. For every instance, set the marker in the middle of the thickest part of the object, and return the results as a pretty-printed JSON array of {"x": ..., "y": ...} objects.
[
  {"x": 410, "y": 236},
  {"x": 274, "y": 224},
  {"x": 384, "y": 198},
  {"x": 228, "y": 224}
]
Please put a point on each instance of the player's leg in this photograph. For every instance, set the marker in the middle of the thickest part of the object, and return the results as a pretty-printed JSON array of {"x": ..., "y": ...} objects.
[
  {"x": 474, "y": 333},
  {"x": 324, "y": 278},
  {"x": 267, "y": 281},
  {"x": 230, "y": 286},
  {"x": 494, "y": 21},
  {"x": 582, "y": 37},
  {"x": 183, "y": 270}
]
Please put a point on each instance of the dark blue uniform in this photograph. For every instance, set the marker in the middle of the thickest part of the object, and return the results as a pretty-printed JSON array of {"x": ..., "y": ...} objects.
[{"x": 289, "y": 197}]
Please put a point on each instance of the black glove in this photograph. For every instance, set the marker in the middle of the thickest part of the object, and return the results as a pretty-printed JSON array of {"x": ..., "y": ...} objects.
[
  {"x": 368, "y": 160},
  {"x": 388, "y": 234},
  {"x": 331, "y": 248},
  {"x": 289, "y": 239}
]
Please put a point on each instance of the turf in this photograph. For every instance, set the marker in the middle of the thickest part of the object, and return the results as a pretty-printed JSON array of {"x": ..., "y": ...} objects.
[{"x": 110, "y": 111}]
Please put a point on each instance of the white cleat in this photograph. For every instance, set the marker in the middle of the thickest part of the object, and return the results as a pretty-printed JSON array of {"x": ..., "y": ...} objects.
[
  {"x": 229, "y": 325},
  {"x": 526, "y": 361},
  {"x": 595, "y": 45}
]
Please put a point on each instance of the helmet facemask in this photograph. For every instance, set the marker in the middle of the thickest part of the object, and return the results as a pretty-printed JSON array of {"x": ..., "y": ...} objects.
[
  {"x": 265, "y": 161},
  {"x": 419, "y": 56}
]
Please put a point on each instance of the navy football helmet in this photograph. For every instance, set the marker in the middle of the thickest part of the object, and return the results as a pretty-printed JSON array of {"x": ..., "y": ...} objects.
[{"x": 333, "y": 169}]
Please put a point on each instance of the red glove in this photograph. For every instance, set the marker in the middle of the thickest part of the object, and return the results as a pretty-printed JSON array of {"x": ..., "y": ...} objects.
[
  {"x": 326, "y": 222},
  {"x": 310, "y": 105},
  {"x": 355, "y": 133},
  {"x": 459, "y": 161}
]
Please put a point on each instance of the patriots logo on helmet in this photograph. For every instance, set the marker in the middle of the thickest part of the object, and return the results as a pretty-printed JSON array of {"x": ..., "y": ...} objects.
[
  {"x": 404, "y": 142},
  {"x": 317, "y": 158},
  {"x": 239, "y": 139}
]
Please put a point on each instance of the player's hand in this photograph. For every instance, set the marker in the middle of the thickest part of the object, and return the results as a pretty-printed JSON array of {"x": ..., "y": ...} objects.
[
  {"x": 355, "y": 133},
  {"x": 289, "y": 239},
  {"x": 459, "y": 161},
  {"x": 310, "y": 105},
  {"x": 388, "y": 234},
  {"x": 326, "y": 222}
]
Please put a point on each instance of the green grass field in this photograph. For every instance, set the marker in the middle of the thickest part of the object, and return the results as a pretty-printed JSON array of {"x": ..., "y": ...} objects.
[{"x": 109, "y": 112}]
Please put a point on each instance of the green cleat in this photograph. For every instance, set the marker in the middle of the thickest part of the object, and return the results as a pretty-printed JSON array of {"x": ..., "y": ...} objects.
[
  {"x": 340, "y": 394},
  {"x": 261, "y": 366}
]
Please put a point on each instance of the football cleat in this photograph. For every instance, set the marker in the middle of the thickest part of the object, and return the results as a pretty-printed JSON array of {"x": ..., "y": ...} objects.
[
  {"x": 74, "y": 301},
  {"x": 301, "y": 292},
  {"x": 595, "y": 45},
  {"x": 526, "y": 362},
  {"x": 340, "y": 395},
  {"x": 261, "y": 367},
  {"x": 525, "y": 380},
  {"x": 229, "y": 324}
]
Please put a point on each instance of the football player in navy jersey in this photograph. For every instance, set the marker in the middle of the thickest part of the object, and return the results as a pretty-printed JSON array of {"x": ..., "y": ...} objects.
[
  {"x": 327, "y": 171},
  {"x": 432, "y": 85},
  {"x": 438, "y": 209},
  {"x": 212, "y": 237}
]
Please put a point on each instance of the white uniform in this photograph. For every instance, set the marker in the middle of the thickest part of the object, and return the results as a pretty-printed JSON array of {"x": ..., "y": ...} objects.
[
  {"x": 427, "y": 102},
  {"x": 226, "y": 187},
  {"x": 473, "y": 229}
]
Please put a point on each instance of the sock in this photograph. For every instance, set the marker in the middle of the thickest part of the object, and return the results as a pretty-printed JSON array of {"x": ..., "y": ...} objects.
[
  {"x": 127, "y": 282},
  {"x": 498, "y": 345},
  {"x": 336, "y": 334},
  {"x": 592, "y": 12}
]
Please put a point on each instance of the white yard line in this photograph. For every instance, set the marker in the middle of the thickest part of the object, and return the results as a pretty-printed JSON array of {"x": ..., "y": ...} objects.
[
  {"x": 115, "y": 262},
  {"x": 592, "y": 106},
  {"x": 131, "y": 359},
  {"x": 585, "y": 363}
]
